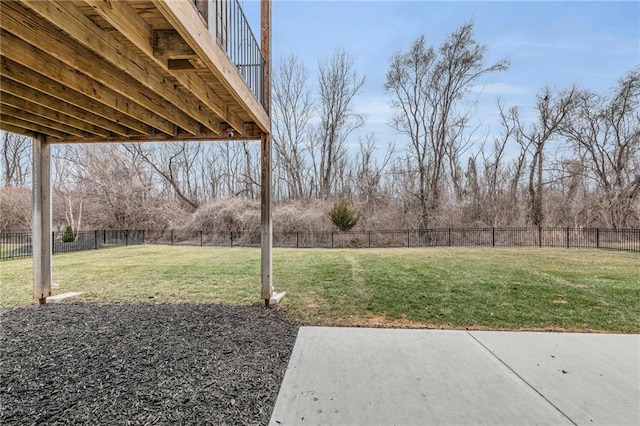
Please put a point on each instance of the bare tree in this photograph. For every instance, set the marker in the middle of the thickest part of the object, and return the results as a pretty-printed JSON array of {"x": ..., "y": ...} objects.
[
  {"x": 427, "y": 88},
  {"x": 339, "y": 83},
  {"x": 605, "y": 133},
  {"x": 174, "y": 162},
  {"x": 369, "y": 172},
  {"x": 292, "y": 111},
  {"x": 552, "y": 108},
  {"x": 16, "y": 159}
]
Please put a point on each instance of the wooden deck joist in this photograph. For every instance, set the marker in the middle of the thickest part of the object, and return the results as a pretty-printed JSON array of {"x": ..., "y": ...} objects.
[{"x": 108, "y": 71}]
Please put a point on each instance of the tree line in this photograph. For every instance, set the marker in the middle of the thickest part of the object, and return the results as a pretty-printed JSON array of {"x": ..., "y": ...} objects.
[{"x": 576, "y": 164}]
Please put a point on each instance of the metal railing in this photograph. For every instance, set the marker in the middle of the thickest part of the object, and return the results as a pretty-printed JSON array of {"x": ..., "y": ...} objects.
[
  {"x": 230, "y": 28},
  {"x": 18, "y": 244}
]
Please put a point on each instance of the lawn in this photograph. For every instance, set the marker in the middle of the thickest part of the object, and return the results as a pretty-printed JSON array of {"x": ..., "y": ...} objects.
[{"x": 486, "y": 288}]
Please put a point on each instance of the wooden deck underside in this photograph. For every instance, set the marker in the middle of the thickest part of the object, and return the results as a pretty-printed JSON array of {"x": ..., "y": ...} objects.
[{"x": 101, "y": 71}]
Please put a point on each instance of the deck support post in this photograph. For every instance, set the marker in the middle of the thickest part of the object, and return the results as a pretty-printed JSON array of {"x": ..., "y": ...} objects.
[
  {"x": 265, "y": 178},
  {"x": 266, "y": 223},
  {"x": 42, "y": 239}
]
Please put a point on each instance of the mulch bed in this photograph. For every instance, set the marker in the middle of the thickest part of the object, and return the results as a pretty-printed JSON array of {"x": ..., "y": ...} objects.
[{"x": 73, "y": 363}]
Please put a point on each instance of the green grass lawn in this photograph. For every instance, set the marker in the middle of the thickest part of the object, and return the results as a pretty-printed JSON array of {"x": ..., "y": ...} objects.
[{"x": 495, "y": 288}]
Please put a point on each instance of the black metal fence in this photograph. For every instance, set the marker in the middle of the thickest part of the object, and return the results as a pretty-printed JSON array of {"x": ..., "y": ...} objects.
[{"x": 17, "y": 244}]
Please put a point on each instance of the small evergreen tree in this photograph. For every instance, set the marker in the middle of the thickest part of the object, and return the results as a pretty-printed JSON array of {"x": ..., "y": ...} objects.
[
  {"x": 68, "y": 236},
  {"x": 343, "y": 217}
]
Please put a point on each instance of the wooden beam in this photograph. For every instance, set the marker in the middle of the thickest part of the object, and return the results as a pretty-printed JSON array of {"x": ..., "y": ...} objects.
[
  {"x": 266, "y": 263},
  {"x": 28, "y": 125},
  {"x": 30, "y": 116},
  {"x": 67, "y": 123},
  {"x": 161, "y": 46},
  {"x": 23, "y": 53},
  {"x": 134, "y": 83},
  {"x": 183, "y": 16},
  {"x": 41, "y": 219},
  {"x": 253, "y": 133},
  {"x": 167, "y": 44},
  {"x": 169, "y": 104},
  {"x": 36, "y": 100},
  {"x": 15, "y": 129},
  {"x": 42, "y": 87}
]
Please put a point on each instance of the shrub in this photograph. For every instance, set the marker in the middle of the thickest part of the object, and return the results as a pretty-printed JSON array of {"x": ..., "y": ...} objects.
[
  {"x": 343, "y": 217},
  {"x": 68, "y": 236}
]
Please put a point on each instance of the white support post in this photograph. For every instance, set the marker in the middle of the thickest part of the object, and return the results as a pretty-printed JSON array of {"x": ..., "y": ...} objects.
[
  {"x": 265, "y": 190},
  {"x": 266, "y": 224},
  {"x": 41, "y": 239}
]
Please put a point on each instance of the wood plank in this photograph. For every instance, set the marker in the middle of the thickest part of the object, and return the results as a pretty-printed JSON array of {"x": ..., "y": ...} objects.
[
  {"x": 124, "y": 19},
  {"x": 186, "y": 20},
  {"x": 42, "y": 208},
  {"x": 27, "y": 125},
  {"x": 53, "y": 115},
  {"x": 51, "y": 41},
  {"x": 23, "y": 53},
  {"x": 22, "y": 76},
  {"x": 253, "y": 133},
  {"x": 6, "y": 127},
  {"x": 26, "y": 115},
  {"x": 68, "y": 17},
  {"x": 167, "y": 44},
  {"x": 40, "y": 99}
]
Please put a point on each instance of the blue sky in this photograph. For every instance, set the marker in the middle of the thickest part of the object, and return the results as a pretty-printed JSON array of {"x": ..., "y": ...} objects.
[{"x": 549, "y": 43}]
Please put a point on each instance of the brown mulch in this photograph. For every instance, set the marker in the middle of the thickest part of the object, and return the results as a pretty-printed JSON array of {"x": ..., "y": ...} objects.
[{"x": 86, "y": 363}]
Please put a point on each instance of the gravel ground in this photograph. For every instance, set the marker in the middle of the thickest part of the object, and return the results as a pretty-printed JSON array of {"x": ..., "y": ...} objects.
[{"x": 85, "y": 363}]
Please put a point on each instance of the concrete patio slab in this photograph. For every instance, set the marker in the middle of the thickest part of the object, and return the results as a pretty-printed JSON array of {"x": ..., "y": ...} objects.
[
  {"x": 358, "y": 376},
  {"x": 591, "y": 378}
]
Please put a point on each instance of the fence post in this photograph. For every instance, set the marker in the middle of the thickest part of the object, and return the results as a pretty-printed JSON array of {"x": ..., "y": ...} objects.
[
  {"x": 597, "y": 238},
  {"x": 331, "y": 239},
  {"x": 567, "y": 237},
  {"x": 297, "y": 239},
  {"x": 369, "y": 239},
  {"x": 200, "y": 238},
  {"x": 53, "y": 242},
  {"x": 449, "y": 241},
  {"x": 172, "y": 237},
  {"x": 95, "y": 239},
  {"x": 408, "y": 238},
  {"x": 493, "y": 237}
]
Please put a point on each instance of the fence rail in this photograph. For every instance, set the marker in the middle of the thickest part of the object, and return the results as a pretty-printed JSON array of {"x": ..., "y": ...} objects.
[{"x": 18, "y": 244}]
